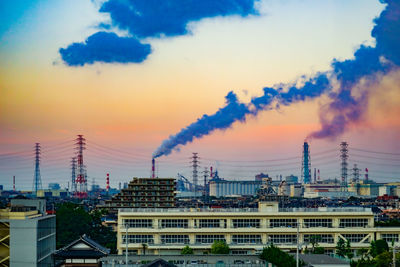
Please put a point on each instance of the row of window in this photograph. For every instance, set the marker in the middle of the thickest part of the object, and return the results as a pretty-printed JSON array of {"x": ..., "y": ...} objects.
[
  {"x": 309, "y": 223},
  {"x": 344, "y": 223},
  {"x": 138, "y": 239},
  {"x": 138, "y": 223},
  {"x": 210, "y": 223},
  {"x": 174, "y": 223},
  {"x": 390, "y": 238},
  {"x": 246, "y": 239},
  {"x": 356, "y": 238},
  {"x": 326, "y": 239},
  {"x": 246, "y": 223},
  {"x": 209, "y": 239},
  {"x": 276, "y": 223},
  {"x": 252, "y": 239}
]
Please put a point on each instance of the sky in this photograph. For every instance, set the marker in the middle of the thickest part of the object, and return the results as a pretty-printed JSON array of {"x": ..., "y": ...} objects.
[{"x": 126, "y": 110}]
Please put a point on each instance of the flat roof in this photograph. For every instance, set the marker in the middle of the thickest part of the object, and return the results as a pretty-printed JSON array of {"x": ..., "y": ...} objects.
[{"x": 248, "y": 210}]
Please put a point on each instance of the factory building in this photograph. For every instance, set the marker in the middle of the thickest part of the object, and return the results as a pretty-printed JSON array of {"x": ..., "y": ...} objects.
[
  {"x": 221, "y": 188},
  {"x": 27, "y": 234},
  {"x": 59, "y": 193},
  {"x": 246, "y": 231},
  {"x": 145, "y": 193},
  {"x": 364, "y": 188}
]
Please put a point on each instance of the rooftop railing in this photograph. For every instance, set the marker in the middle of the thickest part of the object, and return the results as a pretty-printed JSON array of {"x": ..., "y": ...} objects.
[{"x": 224, "y": 210}]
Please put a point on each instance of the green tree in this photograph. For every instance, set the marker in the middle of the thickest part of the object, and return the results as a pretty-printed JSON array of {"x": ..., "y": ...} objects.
[
  {"x": 219, "y": 247},
  {"x": 349, "y": 251},
  {"x": 378, "y": 247},
  {"x": 341, "y": 248},
  {"x": 278, "y": 257},
  {"x": 187, "y": 250},
  {"x": 363, "y": 263},
  {"x": 315, "y": 248},
  {"x": 72, "y": 221},
  {"x": 314, "y": 239},
  {"x": 319, "y": 250},
  {"x": 389, "y": 223},
  {"x": 100, "y": 233},
  {"x": 384, "y": 259}
]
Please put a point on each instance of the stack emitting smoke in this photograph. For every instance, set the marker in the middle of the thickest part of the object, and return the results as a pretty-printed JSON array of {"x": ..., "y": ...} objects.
[
  {"x": 347, "y": 86},
  {"x": 108, "y": 182},
  {"x": 153, "y": 168}
]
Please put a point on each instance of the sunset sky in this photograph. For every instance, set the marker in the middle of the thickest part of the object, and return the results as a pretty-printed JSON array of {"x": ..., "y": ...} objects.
[{"x": 126, "y": 110}]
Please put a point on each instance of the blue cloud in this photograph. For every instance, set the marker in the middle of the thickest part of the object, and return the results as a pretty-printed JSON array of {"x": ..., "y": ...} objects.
[
  {"x": 105, "y": 47},
  {"x": 155, "y": 18},
  {"x": 147, "y": 18}
]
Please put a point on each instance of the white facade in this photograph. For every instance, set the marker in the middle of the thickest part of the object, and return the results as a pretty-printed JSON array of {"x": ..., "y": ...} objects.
[
  {"x": 226, "y": 188},
  {"x": 246, "y": 231},
  {"x": 32, "y": 241}
]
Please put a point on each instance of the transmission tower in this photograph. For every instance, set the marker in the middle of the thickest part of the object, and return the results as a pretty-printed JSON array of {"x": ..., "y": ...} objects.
[
  {"x": 344, "y": 156},
  {"x": 356, "y": 174},
  {"x": 306, "y": 164},
  {"x": 81, "y": 183},
  {"x": 37, "y": 181},
  {"x": 195, "y": 164},
  {"x": 73, "y": 175}
]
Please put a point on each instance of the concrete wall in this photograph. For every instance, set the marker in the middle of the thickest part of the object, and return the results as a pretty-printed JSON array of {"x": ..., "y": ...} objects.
[
  {"x": 32, "y": 241},
  {"x": 23, "y": 245}
]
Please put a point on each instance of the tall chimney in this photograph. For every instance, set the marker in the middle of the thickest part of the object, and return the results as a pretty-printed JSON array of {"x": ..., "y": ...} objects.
[
  {"x": 319, "y": 177},
  {"x": 366, "y": 174},
  {"x": 211, "y": 172},
  {"x": 315, "y": 175},
  {"x": 14, "y": 183},
  {"x": 108, "y": 182},
  {"x": 153, "y": 168}
]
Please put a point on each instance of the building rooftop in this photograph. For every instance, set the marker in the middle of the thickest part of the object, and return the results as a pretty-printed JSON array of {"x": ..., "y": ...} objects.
[
  {"x": 251, "y": 210},
  {"x": 321, "y": 259}
]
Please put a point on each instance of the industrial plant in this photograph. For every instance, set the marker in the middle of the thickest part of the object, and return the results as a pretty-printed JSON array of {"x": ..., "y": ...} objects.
[{"x": 160, "y": 216}]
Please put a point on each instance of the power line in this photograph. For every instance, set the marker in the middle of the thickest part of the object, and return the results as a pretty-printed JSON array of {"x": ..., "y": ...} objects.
[{"x": 375, "y": 152}]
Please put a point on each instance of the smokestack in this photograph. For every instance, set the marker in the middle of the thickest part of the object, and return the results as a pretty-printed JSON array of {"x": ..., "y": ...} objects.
[
  {"x": 153, "y": 168},
  {"x": 211, "y": 172},
  {"x": 14, "y": 183},
  {"x": 366, "y": 174},
  {"x": 315, "y": 175},
  {"x": 319, "y": 177},
  {"x": 108, "y": 182}
]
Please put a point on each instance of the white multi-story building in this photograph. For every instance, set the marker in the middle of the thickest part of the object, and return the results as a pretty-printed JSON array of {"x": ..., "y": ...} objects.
[
  {"x": 27, "y": 234},
  {"x": 246, "y": 231}
]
